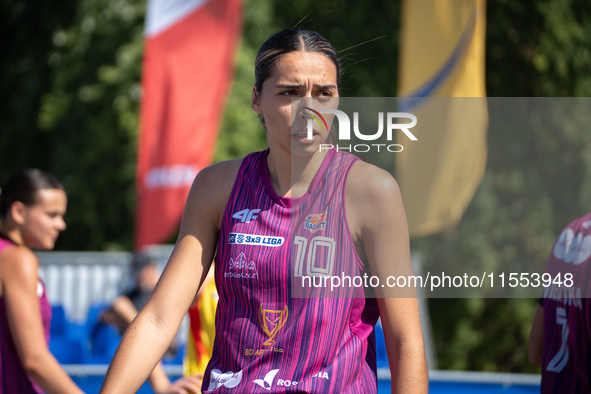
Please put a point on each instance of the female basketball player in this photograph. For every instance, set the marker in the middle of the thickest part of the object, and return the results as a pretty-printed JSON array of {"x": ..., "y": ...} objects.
[
  {"x": 32, "y": 206},
  {"x": 328, "y": 212}
]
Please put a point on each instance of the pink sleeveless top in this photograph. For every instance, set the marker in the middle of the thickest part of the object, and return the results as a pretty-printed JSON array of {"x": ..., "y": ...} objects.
[
  {"x": 567, "y": 312},
  {"x": 13, "y": 379},
  {"x": 272, "y": 337}
]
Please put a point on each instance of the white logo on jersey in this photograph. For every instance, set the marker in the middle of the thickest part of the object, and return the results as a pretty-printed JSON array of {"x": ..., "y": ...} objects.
[
  {"x": 572, "y": 249},
  {"x": 241, "y": 268},
  {"x": 322, "y": 375},
  {"x": 286, "y": 383},
  {"x": 267, "y": 382},
  {"x": 253, "y": 239},
  {"x": 246, "y": 215},
  {"x": 227, "y": 379}
]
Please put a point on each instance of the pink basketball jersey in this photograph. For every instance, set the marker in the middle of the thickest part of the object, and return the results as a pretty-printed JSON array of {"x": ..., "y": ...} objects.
[
  {"x": 13, "y": 379},
  {"x": 566, "y": 361},
  {"x": 270, "y": 336}
]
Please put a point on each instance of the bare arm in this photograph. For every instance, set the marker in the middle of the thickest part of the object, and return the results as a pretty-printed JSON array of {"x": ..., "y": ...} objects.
[
  {"x": 123, "y": 312},
  {"x": 160, "y": 319},
  {"x": 19, "y": 289},
  {"x": 536, "y": 337},
  {"x": 377, "y": 218}
]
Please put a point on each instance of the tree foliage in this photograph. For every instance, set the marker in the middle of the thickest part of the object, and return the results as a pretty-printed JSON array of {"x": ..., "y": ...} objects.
[{"x": 70, "y": 77}]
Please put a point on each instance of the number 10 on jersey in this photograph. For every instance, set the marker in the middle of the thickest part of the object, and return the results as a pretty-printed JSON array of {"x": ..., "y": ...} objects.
[{"x": 310, "y": 255}]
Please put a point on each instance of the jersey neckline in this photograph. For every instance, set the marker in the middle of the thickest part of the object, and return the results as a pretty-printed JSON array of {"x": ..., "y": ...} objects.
[{"x": 292, "y": 201}]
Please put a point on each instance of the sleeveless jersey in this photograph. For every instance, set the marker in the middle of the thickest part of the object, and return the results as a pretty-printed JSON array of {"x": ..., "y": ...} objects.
[
  {"x": 13, "y": 379},
  {"x": 268, "y": 338},
  {"x": 566, "y": 364}
]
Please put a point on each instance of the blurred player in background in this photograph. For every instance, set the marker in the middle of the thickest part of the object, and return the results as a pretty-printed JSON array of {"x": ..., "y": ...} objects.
[
  {"x": 560, "y": 337},
  {"x": 126, "y": 307},
  {"x": 32, "y": 208}
]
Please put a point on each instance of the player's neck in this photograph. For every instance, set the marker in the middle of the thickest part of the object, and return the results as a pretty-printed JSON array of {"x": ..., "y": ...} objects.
[
  {"x": 12, "y": 232},
  {"x": 292, "y": 175}
]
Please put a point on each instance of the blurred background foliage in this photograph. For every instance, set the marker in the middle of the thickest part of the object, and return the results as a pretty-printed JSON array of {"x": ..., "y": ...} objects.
[{"x": 70, "y": 81}]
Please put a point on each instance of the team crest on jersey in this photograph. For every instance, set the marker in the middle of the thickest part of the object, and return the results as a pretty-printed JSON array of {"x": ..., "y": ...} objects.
[
  {"x": 315, "y": 222},
  {"x": 272, "y": 321}
]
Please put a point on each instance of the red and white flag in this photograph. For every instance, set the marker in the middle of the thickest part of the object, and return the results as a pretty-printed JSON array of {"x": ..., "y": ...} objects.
[{"x": 188, "y": 59}]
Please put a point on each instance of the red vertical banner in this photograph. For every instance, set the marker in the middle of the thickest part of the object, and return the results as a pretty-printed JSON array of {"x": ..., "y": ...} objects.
[{"x": 188, "y": 64}]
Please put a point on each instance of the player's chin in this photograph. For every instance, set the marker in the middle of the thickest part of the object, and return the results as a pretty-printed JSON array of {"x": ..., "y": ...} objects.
[{"x": 46, "y": 244}]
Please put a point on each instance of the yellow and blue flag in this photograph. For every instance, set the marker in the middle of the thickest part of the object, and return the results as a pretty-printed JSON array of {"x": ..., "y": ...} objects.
[{"x": 442, "y": 55}]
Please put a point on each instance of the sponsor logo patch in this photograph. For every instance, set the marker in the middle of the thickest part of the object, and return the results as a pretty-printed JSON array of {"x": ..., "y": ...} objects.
[
  {"x": 255, "y": 240},
  {"x": 267, "y": 381},
  {"x": 246, "y": 215},
  {"x": 226, "y": 379},
  {"x": 572, "y": 248}
]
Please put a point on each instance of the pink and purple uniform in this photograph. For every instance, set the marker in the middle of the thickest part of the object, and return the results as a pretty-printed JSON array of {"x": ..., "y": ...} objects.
[
  {"x": 566, "y": 361},
  {"x": 268, "y": 338},
  {"x": 13, "y": 379}
]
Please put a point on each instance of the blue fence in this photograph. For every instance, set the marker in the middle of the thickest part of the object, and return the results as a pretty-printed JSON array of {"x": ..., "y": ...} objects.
[
  {"x": 90, "y": 378},
  {"x": 86, "y": 349},
  {"x": 81, "y": 284}
]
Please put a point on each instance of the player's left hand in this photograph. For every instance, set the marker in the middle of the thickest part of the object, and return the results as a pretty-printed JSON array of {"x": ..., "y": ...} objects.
[{"x": 188, "y": 385}]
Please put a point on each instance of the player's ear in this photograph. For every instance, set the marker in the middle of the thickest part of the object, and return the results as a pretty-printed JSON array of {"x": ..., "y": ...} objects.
[
  {"x": 255, "y": 101},
  {"x": 18, "y": 210}
]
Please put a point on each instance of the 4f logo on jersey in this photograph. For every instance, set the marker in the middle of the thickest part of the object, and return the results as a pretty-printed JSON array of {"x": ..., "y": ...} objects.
[
  {"x": 246, "y": 215},
  {"x": 315, "y": 222}
]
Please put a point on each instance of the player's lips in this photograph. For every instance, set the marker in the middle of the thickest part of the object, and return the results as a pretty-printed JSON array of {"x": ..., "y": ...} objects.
[
  {"x": 303, "y": 134},
  {"x": 302, "y": 137}
]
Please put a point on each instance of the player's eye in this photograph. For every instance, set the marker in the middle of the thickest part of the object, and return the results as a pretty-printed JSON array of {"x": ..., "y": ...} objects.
[{"x": 291, "y": 92}]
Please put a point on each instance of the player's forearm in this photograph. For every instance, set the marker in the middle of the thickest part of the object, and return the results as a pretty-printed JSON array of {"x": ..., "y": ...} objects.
[
  {"x": 49, "y": 375},
  {"x": 140, "y": 350},
  {"x": 158, "y": 379},
  {"x": 408, "y": 368}
]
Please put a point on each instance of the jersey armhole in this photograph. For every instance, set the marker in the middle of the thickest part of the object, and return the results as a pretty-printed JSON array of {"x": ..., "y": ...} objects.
[
  {"x": 360, "y": 264},
  {"x": 242, "y": 165}
]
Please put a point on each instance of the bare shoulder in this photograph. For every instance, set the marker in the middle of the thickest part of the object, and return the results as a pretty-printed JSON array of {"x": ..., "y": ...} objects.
[
  {"x": 219, "y": 176},
  {"x": 212, "y": 187},
  {"x": 18, "y": 263},
  {"x": 369, "y": 185}
]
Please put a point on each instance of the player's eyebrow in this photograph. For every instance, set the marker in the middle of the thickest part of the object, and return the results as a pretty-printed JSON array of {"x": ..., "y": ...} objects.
[
  {"x": 287, "y": 86},
  {"x": 325, "y": 87}
]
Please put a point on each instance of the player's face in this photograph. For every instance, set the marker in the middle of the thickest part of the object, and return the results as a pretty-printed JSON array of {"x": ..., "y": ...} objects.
[
  {"x": 310, "y": 76},
  {"x": 41, "y": 223}
]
